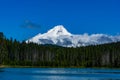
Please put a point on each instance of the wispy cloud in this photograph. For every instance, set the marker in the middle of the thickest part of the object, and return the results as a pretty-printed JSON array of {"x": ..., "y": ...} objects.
[{"x": 29, "y": 24}]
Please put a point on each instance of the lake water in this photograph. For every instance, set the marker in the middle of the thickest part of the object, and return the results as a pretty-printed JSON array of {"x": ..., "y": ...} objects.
[{"x": 59, "y": 74}]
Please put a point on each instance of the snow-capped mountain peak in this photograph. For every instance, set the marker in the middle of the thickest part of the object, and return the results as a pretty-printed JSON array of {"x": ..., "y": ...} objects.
[
  {"x": 58, "y": 31},
  {"x": 60, "y": 36}
]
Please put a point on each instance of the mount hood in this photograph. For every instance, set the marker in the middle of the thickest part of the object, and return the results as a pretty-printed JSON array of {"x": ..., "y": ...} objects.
[{"x": 60, "y": 36}]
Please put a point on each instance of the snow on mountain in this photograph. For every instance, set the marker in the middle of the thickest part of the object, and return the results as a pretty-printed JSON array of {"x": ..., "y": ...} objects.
[
  {"x": 60, "y": 36},
  {"x": 58, "y": 31}
]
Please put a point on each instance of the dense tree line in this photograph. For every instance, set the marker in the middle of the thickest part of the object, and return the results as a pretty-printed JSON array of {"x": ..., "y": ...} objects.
[{"x": 15, "y": 53}]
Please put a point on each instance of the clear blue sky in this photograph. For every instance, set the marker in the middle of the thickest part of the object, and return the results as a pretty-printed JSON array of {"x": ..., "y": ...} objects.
[{"x": 78, "y": 16}]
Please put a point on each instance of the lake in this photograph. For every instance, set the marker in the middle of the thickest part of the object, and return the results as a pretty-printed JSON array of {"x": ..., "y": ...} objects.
[{"x": 59, "y": 74}]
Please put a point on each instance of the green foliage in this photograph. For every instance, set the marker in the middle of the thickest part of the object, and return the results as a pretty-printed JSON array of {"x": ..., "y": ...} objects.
[{"x": 14, "y": 53}]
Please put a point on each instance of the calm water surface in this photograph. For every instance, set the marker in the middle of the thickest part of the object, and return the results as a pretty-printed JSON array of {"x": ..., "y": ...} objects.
[{"x": 59, "y": 74}]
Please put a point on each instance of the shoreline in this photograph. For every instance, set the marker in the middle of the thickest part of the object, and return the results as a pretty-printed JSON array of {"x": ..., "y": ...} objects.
[{"x": 9, "y": 66}]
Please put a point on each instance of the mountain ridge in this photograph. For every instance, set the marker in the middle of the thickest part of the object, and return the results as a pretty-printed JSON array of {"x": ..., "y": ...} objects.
[{"x": 61, "y": 37}]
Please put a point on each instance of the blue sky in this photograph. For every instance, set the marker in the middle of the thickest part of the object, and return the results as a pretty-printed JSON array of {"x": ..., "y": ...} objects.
[{"x": 78, "y": 16}]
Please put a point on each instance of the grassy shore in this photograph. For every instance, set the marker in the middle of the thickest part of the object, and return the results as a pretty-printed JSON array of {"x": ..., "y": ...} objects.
[
  {"x": 17, "y": 66},
  {"x": 10, "y": 66}
]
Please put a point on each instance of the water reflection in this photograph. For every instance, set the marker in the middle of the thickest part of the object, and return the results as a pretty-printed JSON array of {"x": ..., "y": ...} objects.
[
  {"x": 1, "y": 69},
  {"x": 59, "y": 74}
]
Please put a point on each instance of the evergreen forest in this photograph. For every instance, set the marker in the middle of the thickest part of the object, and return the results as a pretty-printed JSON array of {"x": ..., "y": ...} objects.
[{"x": 15, "y": 53}]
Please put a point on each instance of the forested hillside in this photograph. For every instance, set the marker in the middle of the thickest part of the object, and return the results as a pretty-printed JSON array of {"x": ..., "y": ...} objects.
[{"x": 15, "y": 53}]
